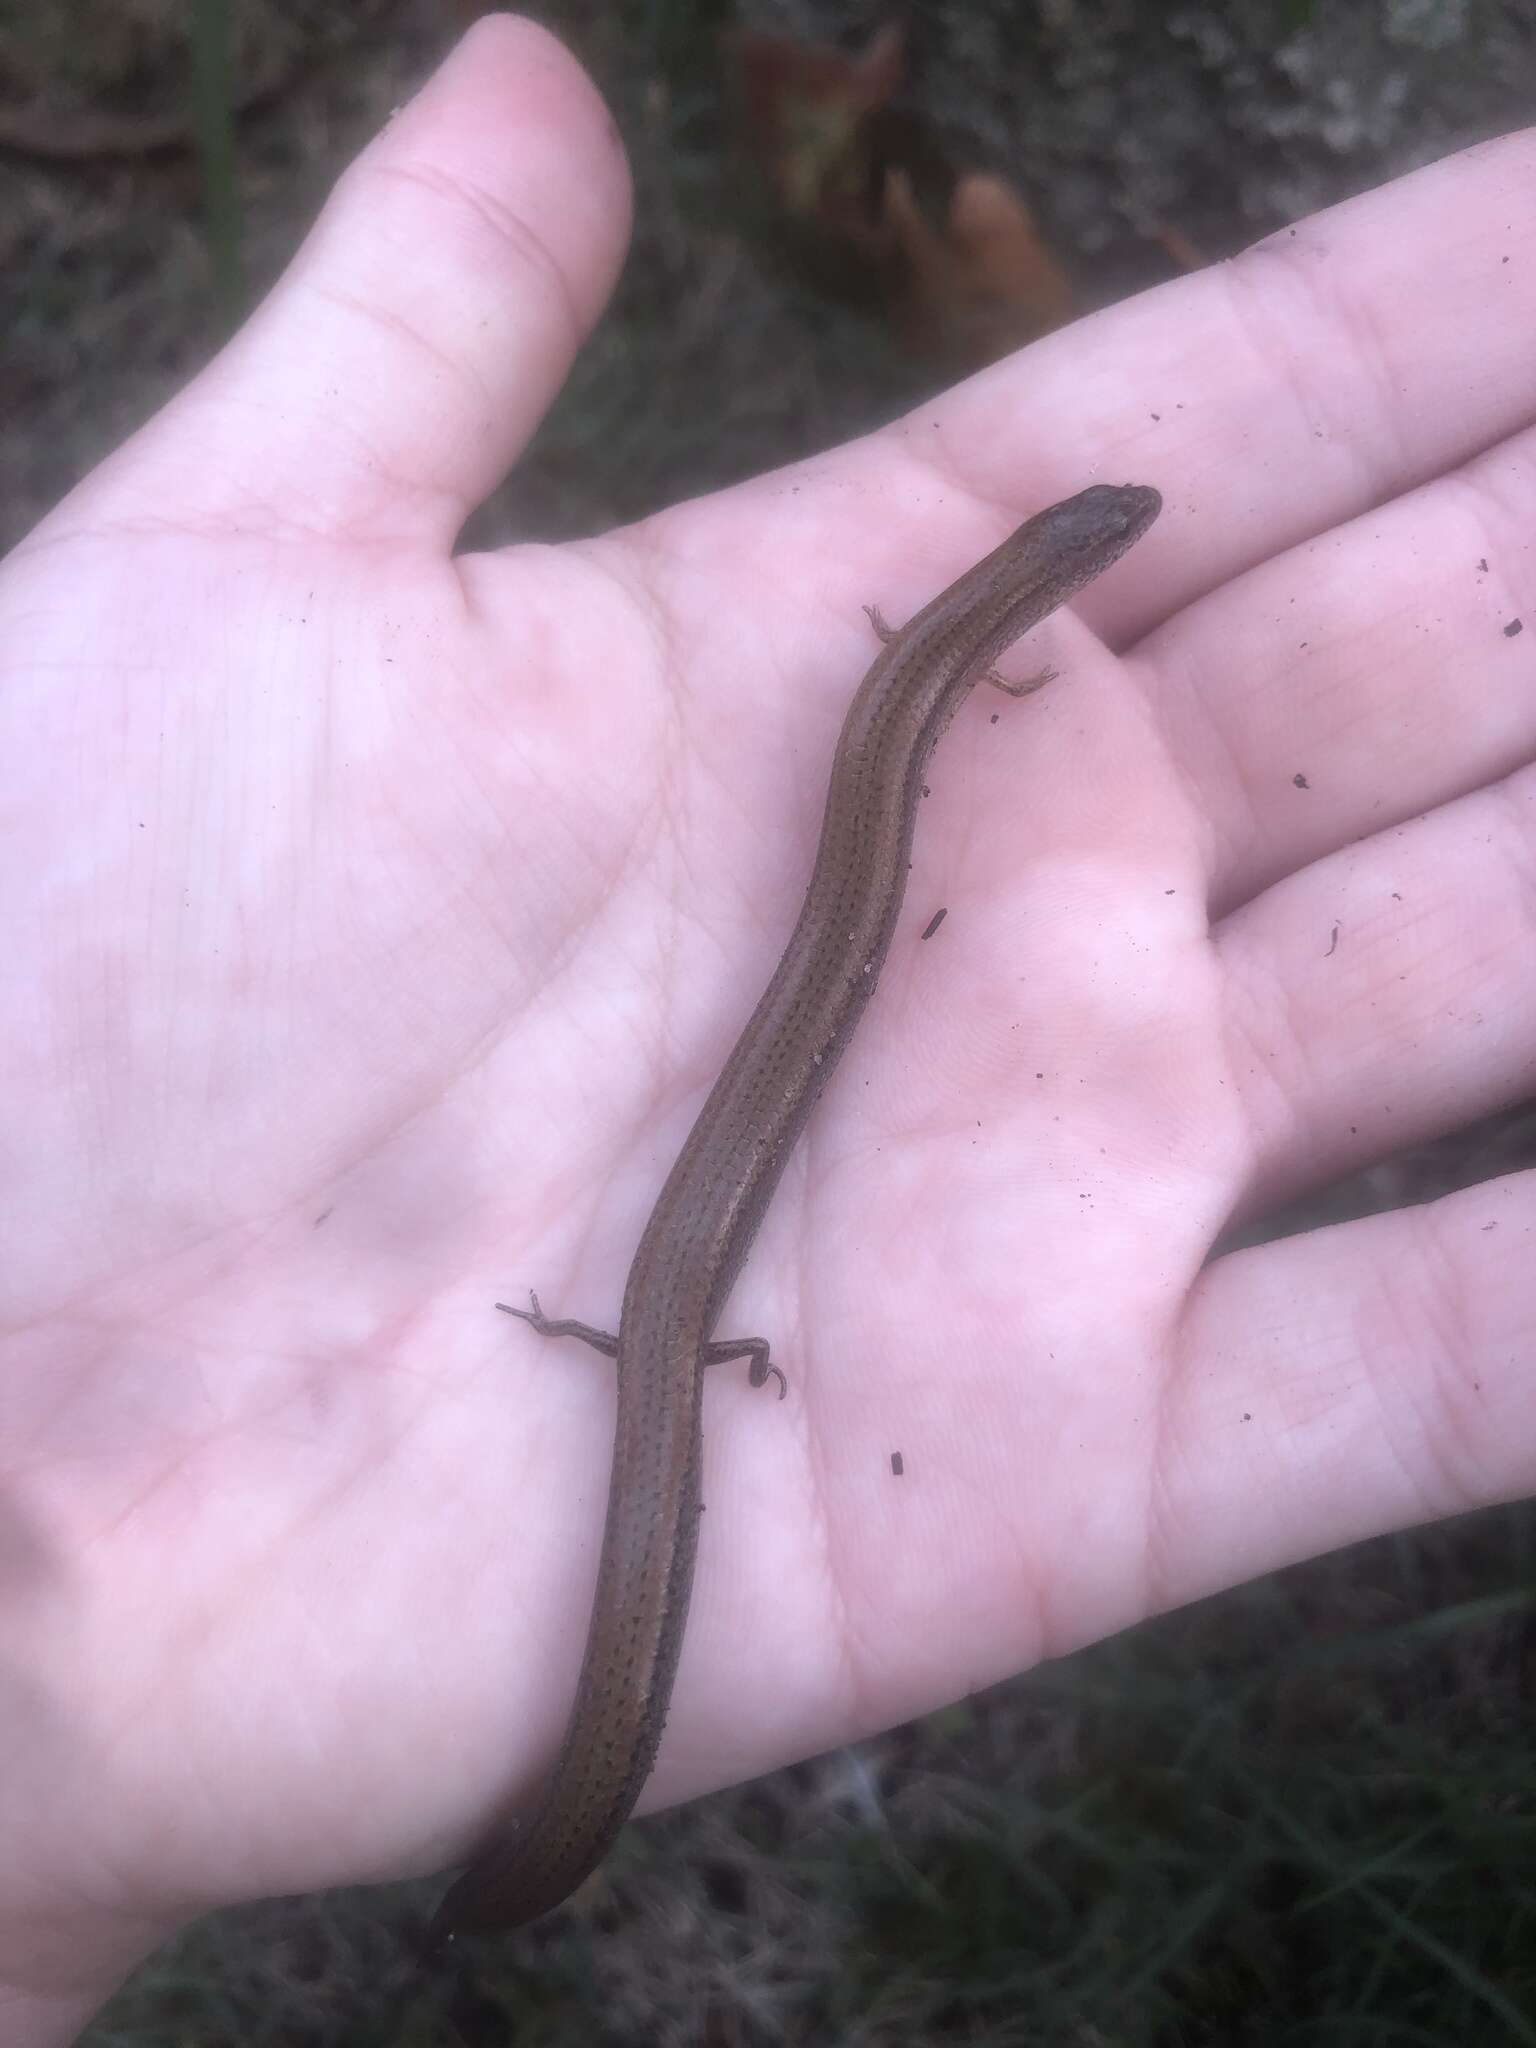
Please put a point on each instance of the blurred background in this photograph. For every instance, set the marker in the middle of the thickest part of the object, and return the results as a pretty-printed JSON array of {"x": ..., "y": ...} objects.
[{"x": 1304, "y": 1812}]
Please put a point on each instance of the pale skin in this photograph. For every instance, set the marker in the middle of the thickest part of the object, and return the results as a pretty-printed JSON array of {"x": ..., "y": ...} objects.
[{"x": 377, "y": 920}]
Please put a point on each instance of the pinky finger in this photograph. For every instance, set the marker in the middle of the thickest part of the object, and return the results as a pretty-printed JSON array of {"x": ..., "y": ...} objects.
[{"x": 1350, "y": 1381}]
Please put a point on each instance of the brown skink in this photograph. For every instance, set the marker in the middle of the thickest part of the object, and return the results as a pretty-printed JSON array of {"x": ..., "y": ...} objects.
[{"x": 714, "y": 1198}]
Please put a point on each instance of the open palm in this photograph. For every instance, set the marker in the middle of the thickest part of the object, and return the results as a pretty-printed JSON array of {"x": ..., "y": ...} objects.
[{"x": 378, "y": 919}]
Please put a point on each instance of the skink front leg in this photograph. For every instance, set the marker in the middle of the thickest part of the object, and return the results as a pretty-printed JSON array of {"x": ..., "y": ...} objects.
[{"x": 1026, "y": 688}]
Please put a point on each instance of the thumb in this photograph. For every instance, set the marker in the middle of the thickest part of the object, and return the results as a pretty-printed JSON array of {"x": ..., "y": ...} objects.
[{"x": 403, "y": 360}]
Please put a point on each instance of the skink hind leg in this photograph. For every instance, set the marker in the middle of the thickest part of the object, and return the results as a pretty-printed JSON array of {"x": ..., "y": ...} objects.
[
  {"x": 1027, "y": 685},
  {"x": 720, "y": 1352},
  {"x": 551, "y": 1326},
  {"x": 755, "y": 1348}
]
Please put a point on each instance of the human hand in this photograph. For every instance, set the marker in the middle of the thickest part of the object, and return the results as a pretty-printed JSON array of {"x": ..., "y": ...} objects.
[{"x": 379, "y": 919}]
